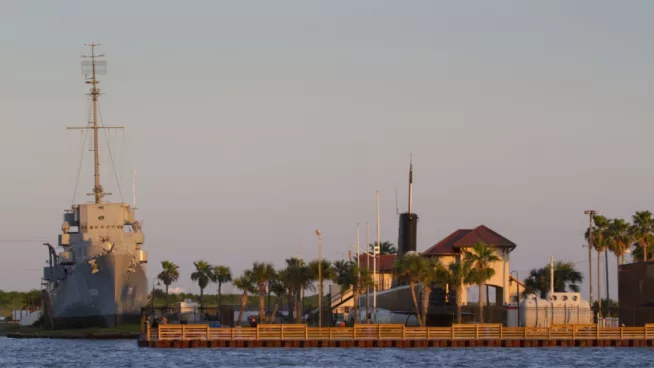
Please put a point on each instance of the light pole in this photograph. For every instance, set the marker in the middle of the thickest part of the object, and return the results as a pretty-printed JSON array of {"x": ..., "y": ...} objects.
[
  {"x": 368, "y": 268},
  {"x": 374, "y": 260},
  {"x": 517, "y": 293},
  {"x": 319, "y": 277},
  {"x": 590, "y": 214}
]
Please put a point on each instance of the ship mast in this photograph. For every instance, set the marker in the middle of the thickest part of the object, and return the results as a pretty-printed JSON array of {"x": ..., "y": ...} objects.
[
  {"x": 97, "y": 67},
  {"x": 95, "y": 91}
]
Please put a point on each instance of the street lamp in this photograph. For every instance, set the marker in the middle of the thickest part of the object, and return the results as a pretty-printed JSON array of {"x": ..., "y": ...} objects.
[
  {"x": 517, "y": 293},
  {"x": 319, "y": 235},
  {"x": 590, "y": 214}
]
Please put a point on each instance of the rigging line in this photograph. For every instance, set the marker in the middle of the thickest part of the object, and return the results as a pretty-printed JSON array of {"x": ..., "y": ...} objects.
[
  {"x": 106, "y": 135},
  {"x": 79, "y": 169}
]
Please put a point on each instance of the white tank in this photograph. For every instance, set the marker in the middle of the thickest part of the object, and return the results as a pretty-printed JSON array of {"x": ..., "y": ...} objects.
[
  {"x": 569, "y": 308},
  {"x": 534, "y": 311}
]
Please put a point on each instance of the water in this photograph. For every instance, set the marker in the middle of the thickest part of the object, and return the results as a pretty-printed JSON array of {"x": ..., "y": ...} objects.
[{"x": 125, "y": 353}]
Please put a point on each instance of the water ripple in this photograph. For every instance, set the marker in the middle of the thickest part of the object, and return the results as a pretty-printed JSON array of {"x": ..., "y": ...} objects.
[{"x": 125, "y": 353}]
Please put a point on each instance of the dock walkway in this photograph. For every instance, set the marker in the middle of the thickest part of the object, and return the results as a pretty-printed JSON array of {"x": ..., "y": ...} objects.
[{"x": 365, "y": 335}]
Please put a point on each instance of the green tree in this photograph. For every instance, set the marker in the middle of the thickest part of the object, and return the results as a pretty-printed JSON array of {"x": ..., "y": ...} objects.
[
  {"x": 277, "y": 286},
  {"x": 245, "y": 283},
  {"x": 433, "y": 273},
  {"x": 566, "y": 277},
  {"x": 261, "y": 274},
  {"x": 481, "y": 259},
  {"x": 601, "y": 244},
  {"x": 350, "y": 277},
  {"x": 222, "y": 275},
  {"x": 642, "y": 229},
  {"x": 168, "y": 275},
  {"x": 297, "y": 277},
  {"x": 620, "y": 238},
  {"x": 203, "y": 275},
  {"x": 458, "y": 275},
  {"x": 412, "y": 268},
  {"x": 617, "y": 239},
  {"x": 385, "y": 247},
  {"x": 327, "y": 273}
]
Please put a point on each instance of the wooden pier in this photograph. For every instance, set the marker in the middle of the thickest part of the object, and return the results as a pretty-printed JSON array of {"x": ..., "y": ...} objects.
[{"x": 395, "y": 336}]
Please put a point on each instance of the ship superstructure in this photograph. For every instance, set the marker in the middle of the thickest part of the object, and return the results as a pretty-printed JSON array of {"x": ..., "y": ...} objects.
[{"x": 99, "y": 276}]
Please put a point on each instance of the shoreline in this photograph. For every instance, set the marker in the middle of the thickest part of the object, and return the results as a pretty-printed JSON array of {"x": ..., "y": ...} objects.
[{"x": 71, "y": 335}]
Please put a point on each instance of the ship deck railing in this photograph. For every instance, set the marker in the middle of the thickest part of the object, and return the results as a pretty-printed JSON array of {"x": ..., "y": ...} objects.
[{"x": 299, "y": 332}]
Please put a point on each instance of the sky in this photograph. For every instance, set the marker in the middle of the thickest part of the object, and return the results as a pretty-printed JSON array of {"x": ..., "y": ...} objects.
[{"x": 252, "y": 123}]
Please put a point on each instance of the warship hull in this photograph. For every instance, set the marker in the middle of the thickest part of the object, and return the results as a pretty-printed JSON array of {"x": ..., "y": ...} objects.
[
  {"x": 98, "y": 279},
  {"x": 109, "y": 297}
]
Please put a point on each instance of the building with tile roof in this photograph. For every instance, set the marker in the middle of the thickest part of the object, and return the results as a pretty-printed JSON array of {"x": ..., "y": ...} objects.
[{"x": 451, "y": 249}]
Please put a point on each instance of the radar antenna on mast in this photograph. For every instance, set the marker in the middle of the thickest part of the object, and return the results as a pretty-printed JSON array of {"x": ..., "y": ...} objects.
[{"x": 94, "y": 67}]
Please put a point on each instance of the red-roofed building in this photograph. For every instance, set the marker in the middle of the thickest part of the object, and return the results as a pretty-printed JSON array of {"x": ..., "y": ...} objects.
[
  {"x": 383, "y": 267},
  {"x": 451, "y": 248}
]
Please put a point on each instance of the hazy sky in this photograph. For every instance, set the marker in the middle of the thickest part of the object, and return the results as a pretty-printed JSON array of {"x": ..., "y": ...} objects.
[{"x": 252, "y": 123}]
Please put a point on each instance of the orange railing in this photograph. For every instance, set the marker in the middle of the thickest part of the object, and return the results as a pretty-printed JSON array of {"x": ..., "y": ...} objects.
[{"x": 399, "y": 332}]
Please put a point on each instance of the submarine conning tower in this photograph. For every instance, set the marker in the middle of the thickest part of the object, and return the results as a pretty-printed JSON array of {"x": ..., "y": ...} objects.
[{"x": 408, "y": 231}]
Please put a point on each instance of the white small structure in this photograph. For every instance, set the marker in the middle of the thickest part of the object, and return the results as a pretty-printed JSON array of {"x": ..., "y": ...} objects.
[
  {"x": 18, "y": 314},
  {"x": 569, "y": 308},
  {"x": 30, "y": 319},
  {"x": 560, "y": 308},
  {"x": 534, "y": 311},
  {"x": 188, "y": 306}
]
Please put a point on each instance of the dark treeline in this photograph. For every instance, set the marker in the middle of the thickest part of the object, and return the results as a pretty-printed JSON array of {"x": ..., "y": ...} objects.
[{"x": 12, "y": 300}]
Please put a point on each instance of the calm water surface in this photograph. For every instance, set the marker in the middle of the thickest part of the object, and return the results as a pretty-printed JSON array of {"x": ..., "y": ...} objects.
[{"x": 125, "y": 353}]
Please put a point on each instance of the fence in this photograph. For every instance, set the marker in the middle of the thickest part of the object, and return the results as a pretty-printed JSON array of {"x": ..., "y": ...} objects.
[{"x": 398, "y": 332}]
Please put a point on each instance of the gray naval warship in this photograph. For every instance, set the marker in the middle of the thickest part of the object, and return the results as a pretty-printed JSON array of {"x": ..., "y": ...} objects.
[{"x": 98, "y": 278}]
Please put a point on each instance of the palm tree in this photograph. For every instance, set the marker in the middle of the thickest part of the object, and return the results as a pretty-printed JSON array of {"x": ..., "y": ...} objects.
[
  {"x": 458, "y": 275},
  {"x": 566, "y": 277},
  {"x": 600, "y": 243},
  {"x": 203, "y": 275},
  {"x": 642, "y": 232},
  {"x": 262, "y": 273},
  {"x": 246, "y": 285},
  {"x": 223, "y": 275},
  {"x": 297, "y": 277},
  {"x": 481, "y": 258},
  {"x": 432, "y": 273},
  {"x": 411, "y": 268},
  {"x": 280, "y": 289},
  {"x": 385, "y": 247},
  {"x": 350, "y": 277},
  {"x": 618, "y": 240},
  {"x": 327, "y": 273},
  {"x": 620, "y": 237},
  {"x": 168, "y": 275}
]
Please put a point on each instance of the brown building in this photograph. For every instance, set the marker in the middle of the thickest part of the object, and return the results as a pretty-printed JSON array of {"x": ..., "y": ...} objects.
[{"x": 636, "y": 293}]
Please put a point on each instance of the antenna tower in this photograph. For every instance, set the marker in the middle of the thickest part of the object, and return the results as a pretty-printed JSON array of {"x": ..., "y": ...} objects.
[{"x": 92, "y": 66}]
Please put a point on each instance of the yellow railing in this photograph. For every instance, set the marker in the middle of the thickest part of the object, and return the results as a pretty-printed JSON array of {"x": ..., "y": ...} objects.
[{"x": 399, "y": 332}]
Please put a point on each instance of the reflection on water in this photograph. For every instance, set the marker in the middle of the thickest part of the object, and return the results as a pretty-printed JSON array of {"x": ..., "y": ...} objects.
[{"x": 125, "y": 353}]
